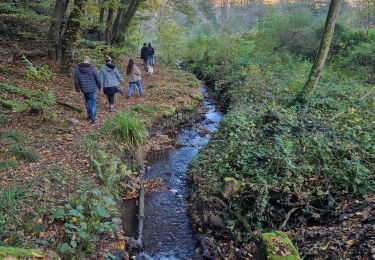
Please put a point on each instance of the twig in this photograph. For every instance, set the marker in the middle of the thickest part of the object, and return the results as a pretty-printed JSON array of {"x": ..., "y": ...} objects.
[{"x": 287, "y": 216}]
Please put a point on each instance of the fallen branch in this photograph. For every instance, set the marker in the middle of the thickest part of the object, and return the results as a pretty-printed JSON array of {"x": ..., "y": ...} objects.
[
  {"x": 287, "y": 216},
  {"x": 71, "y": 106},
  {"x": 141, "y": 216},
  {"x": 141, "y": 211},
  {"x": 236, "y": 214}
]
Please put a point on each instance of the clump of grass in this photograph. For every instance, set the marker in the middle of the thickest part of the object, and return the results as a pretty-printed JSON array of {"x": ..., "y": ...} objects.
[
  {"x": 15, "y": 136},
  {"x": 3, "y": 119},
  {"x": 10, "y": 163},
  {"x": 25, "y": 154},
  {"x": 10, "y": 199},
  {"x": 126, "y": 127}
]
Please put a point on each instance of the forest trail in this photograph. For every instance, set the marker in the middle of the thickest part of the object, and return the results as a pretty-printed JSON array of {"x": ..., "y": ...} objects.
[{"x": 63, "y": 165}]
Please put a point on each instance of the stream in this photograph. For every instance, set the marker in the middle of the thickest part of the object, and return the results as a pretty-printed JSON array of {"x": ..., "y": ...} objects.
[{"x": 167, "y": 230}]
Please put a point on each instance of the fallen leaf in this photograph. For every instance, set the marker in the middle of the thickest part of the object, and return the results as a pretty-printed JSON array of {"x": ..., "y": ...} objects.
[
  {"x": 36, "y": 255},
  {"x": 352, "y": 242}
]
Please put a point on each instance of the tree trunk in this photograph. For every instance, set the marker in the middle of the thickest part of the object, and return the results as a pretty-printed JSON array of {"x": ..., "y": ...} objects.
[
  {"x": 108, "y": 31},
  {"x": 118, "y": 20},
  {"x": 125, "y": 23},
  {"x": 101, "y": 20},
  {"x": 71, "y": 35},
  {"x": 55, "y": 30},
  {"x": 323, "y": 49}
]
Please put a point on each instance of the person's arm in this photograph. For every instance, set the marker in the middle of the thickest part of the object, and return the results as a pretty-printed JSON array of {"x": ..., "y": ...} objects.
[
  {"x": 118, "y": 75},
  {"x": 96, "y": 77},
  {"x": 76, "y": 82}
]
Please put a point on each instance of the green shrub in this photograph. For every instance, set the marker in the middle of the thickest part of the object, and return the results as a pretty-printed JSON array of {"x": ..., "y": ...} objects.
[
  {"x": 8, "y": 8},
  {"x": 85, "y": 218},
  {"x": 41, "y": 73},
  {"x": 110, "y": 172},
  {"x": 126, "y": 127},
  {"x": 278, "y": 152}
]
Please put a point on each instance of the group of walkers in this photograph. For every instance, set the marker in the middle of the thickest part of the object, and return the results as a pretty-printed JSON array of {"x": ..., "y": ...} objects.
[
  {"x": 87, "y": 80},
  {"x": 147, "y": 55}
]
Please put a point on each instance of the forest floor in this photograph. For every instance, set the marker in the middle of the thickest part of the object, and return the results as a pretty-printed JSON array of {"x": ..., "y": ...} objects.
[
  {"x": 56, "y": 137},
  {"x": 63, "y": 164}
]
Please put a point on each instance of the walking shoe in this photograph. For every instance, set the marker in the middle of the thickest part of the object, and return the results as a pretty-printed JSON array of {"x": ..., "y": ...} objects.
[{"x": 127, "y": 97}]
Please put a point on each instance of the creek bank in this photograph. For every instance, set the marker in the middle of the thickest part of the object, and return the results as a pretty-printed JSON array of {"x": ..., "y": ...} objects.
[{"x": 167, "y": 228}]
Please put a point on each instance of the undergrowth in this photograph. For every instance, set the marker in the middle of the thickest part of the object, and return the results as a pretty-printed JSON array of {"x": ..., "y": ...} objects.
[
  {"x": 302, "y": 159},
  {"x": 126, "y": 127}
]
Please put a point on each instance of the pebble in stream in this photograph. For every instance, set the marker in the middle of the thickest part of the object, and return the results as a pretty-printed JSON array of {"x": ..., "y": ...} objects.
[{"x": 167, "y": 231}]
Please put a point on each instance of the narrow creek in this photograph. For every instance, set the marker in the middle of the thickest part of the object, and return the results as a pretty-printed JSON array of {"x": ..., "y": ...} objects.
[{"x": 167, "y": 231}]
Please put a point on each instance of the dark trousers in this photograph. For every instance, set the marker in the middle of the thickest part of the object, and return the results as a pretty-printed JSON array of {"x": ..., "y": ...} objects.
[{"x": 111, "y": 99}]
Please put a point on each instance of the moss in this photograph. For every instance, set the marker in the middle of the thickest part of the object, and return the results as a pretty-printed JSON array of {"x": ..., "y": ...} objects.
[
  {"x": 277, "y": 246},
  {"x": 197, "y": 97},
  {"x": 17, "y": 252}
]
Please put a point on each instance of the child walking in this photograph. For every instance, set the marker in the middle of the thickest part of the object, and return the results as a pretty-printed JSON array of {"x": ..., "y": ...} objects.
[
  {"x": 134, "y": 77},
  {"x": 110, "y": 79}
]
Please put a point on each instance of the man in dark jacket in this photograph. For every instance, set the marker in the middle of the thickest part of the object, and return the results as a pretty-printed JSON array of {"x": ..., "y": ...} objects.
[
  {"x": 144, "y": 55},
  {"x": 87, "y": 80}
]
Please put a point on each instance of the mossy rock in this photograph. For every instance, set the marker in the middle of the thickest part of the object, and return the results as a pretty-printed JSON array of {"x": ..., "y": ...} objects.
[
  {"x": 277, "y": 246},
  {"x": 17, "y": 253}
]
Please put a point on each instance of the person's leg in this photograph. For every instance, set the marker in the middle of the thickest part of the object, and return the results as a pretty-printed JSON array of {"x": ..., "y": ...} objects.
[
  {"x": 139, "y": 85},
  {"x": 93, "y": 106},
  {"x": 131, "y": 88},
  {"x": 111, "y": 99},
  {"x": 146, "y": 63},
  {"x": 87, "y": 104},
  {"x": 152, "y": 60}
]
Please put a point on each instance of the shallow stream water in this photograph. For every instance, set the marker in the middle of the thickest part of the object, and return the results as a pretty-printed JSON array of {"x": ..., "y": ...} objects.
[{"x": 167, "y": 230}]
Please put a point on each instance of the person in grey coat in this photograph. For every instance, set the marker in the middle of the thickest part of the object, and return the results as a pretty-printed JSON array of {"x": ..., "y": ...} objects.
[
  {"x": 86, "y": 80},
  {"x": 110, "y": 79}
]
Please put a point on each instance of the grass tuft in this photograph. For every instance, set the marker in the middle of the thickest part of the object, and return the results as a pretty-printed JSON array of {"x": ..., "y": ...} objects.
[{"x": 126, "y": 127}]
